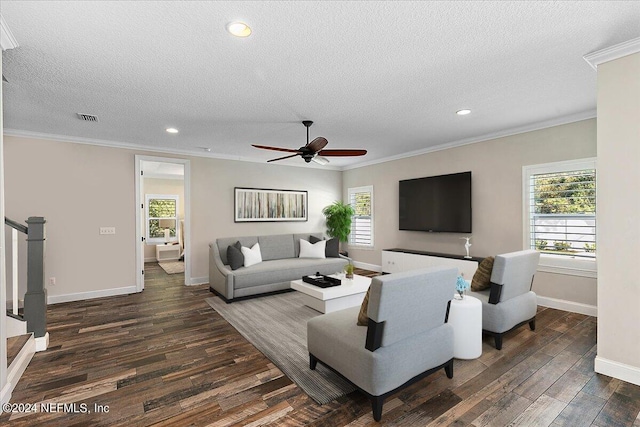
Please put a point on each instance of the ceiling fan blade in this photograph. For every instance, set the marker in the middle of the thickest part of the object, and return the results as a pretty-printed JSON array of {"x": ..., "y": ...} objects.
[
  {"x": 320, "y": 160},
  {"x": 345, "y": 152},
  {"x": 317, "y": 144},
  {"x": 266, "y": 147},
  {"x": 282, "y": 158}
]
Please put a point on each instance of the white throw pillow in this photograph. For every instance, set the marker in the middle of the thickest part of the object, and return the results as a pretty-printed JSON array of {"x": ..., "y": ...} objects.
[
  {"x": 251, "y": 256},
  {"x": 312, "y": 250}
]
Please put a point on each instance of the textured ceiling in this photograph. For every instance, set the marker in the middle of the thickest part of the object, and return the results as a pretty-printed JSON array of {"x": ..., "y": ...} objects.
[{"x": 384, "y": 76}]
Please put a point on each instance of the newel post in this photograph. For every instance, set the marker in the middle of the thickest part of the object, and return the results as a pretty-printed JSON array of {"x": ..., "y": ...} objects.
[{"x": 35, "y": 300}]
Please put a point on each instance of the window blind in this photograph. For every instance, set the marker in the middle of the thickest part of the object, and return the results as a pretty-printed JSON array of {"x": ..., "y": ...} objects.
[{"x": 361, "y": 201}]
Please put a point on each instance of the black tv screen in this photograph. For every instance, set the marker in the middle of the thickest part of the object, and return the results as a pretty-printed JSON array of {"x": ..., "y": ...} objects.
[{"x": 436, "y": 203}]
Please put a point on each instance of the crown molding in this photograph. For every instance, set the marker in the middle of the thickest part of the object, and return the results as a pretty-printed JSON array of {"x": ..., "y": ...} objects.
[
  {"x": 586, "y": 115},
  {"x": 7, "y": 40},
  {"x": 613, "y": 52},
  {"x": 147, "y": 148}
]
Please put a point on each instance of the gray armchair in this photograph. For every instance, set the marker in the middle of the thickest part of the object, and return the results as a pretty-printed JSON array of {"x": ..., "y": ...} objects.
[
  {"x": 407, "y": 337},
  {"x": 510, "y": 302}
]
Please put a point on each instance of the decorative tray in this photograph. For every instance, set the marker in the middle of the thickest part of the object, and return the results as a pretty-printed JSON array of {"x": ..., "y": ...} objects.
[{"x": 321, "y": 281}]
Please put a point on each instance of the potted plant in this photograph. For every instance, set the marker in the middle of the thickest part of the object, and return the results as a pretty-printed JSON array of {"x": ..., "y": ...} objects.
[
  {"x": 338, "y": 217},
  {"x": 348, "y": 270}
]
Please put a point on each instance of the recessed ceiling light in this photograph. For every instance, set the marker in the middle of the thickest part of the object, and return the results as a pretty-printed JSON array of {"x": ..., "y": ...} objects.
[
  {"x": 172, "y": 130},
  {"x": 239, "y": 29},
  {"x": 463, "y": 112}
]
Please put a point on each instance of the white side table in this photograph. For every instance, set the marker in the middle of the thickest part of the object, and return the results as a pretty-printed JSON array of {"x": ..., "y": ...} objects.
[
  {"x": 167, "y": 252},
  {"x": 465, "y": 316}
]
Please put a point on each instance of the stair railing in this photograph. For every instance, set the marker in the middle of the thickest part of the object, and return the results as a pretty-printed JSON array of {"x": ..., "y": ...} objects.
[{"x": 35, "y": 299}]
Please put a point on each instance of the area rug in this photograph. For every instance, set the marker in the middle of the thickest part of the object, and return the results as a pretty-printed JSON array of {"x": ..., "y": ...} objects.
[
  {"x": 172, "y": 267},
  {"x": 277, "y": 326}
]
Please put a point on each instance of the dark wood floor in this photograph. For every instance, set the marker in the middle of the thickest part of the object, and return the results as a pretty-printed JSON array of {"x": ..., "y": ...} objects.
[{"x": 165, "y": 357}]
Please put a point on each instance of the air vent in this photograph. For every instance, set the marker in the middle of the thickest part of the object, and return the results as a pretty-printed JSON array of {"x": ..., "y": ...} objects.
[{"x": 87, "y": 117}]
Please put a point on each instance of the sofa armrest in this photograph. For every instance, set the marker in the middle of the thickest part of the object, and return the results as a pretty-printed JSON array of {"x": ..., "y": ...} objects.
[
  {"x": 346, "y": 257},
  {"x": 220, "y": 275}
]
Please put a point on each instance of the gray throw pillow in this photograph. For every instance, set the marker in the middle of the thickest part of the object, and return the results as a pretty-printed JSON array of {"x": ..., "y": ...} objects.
[
  {"x": 332, "y": 250},
  {"x": 234, "y": 256}
]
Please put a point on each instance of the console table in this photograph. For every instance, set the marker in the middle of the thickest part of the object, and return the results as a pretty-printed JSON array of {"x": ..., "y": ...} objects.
[{"x": 396, "y": 260}]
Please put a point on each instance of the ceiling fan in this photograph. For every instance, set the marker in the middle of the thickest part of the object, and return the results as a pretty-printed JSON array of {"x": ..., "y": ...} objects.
[{"x": 313, "y": 151}]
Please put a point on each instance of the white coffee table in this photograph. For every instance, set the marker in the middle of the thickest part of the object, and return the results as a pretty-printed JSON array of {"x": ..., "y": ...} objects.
[{"x": 326, "y": 300}]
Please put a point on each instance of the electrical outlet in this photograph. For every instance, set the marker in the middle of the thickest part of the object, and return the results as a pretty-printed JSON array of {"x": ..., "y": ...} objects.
[
  {"x": 107, "y": 230},
  {"x": 52, "y": 281}
]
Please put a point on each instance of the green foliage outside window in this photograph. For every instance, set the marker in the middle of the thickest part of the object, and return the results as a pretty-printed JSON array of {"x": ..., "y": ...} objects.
[
  {"x": 362, "y": 205},
  {"x": 161, "y": 209},
  {"x": 566, "y": 193}
]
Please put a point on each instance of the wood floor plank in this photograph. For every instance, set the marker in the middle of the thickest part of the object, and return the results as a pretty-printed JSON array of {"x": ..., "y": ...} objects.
[
  {"x": 164, "y": 357},
  {"x": 581, "y": 411}
]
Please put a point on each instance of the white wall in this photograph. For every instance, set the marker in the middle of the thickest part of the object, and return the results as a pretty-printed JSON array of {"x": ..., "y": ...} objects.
[
  {"x": 496, "y": 167},
  {"x": 79, "y": 188},
  {"x": 618, "y": 218}
]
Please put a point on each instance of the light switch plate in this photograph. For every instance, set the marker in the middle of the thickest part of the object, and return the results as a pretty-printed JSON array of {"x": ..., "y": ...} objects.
[{"x": 107, "y": 230}]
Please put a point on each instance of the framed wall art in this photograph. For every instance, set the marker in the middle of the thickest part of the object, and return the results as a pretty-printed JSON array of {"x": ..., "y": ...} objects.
[{"x": 266, "y": 205}]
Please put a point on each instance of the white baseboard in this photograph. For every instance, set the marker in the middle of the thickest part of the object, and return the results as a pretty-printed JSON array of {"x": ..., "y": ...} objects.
[
  {"x": 198, "y": 280},
  {"x": 366, "y": 266},
  {"x": 5, "y": 394},
  {"x": 56, "y": 299},
  {"x": 574, "y": 307},
  {"x": 624, "y": 372},
  {"x": 150, "y": 259},
  {"x": 42, "y": 343}
]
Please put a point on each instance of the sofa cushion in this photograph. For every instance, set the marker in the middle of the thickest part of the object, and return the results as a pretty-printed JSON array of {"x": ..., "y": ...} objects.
[
  {"x": 252, "y": 256},
  {"x": 333, "y": 246},
  {"x": 305, "y": 236},
  {"x": 224, "y": 242},
  {"x": 234, "y": 255},
  {"x": 482, "y": 277},
  {"x": 312, "y": 250},
  {"x": 284, "y": 270},
  {"x": 277, "y": 246}
]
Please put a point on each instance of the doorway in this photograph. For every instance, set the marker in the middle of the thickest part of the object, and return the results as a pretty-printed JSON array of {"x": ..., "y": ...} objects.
[{"x": 163, "y": 219}]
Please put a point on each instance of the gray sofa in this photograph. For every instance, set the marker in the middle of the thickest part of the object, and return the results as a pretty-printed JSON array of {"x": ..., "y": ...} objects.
[
  {"x": 280, "y": 265},
  {"x": 407, "y": 337}
]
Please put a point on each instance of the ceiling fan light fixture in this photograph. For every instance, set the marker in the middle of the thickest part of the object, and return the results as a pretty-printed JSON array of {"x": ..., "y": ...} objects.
[
  {"x": 320, "y": 160},
  {"x": 172, "y": 130},
  {"x": 463, "y": 112},
  {"x": 239, "y": 29}
]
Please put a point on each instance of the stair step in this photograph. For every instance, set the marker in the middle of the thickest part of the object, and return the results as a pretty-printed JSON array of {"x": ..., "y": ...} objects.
[
  {"x": 14, "y": 345},
  {"x": 19, "y": 316}
]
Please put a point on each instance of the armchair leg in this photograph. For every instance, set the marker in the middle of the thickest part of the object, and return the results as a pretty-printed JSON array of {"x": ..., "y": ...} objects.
[
  {"x": 448, "y": 369},
  {"x": 532, "y": 324},
  {"x": 376, "y": 407},
  {"x": 312, "y": 362},
  {"x": 498, "y": 339}
]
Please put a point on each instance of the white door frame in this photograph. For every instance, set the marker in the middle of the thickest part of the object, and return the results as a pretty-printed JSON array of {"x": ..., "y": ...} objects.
[{"x": 140, "y": 211}]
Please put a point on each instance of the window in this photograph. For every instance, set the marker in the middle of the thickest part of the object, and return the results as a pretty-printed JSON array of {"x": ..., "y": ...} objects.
[
  {"x": 560, "y": 215},
  {"x": 361, "y": 199},
  {"x": 162, "y": 218}
]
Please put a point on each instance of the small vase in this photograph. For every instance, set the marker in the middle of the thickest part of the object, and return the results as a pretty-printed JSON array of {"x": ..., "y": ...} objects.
[{"x": 349, "y": 275}]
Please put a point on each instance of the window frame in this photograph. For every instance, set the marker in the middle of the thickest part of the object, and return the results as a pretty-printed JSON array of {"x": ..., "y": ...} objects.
[
  {"x": 350, "y": 192},
  {"x": 160, "y": 240},
  {"x": 561, "y": 264}
]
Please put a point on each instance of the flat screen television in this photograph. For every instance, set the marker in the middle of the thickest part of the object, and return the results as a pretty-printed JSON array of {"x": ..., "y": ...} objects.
[{"x": 436, "y": 203}]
